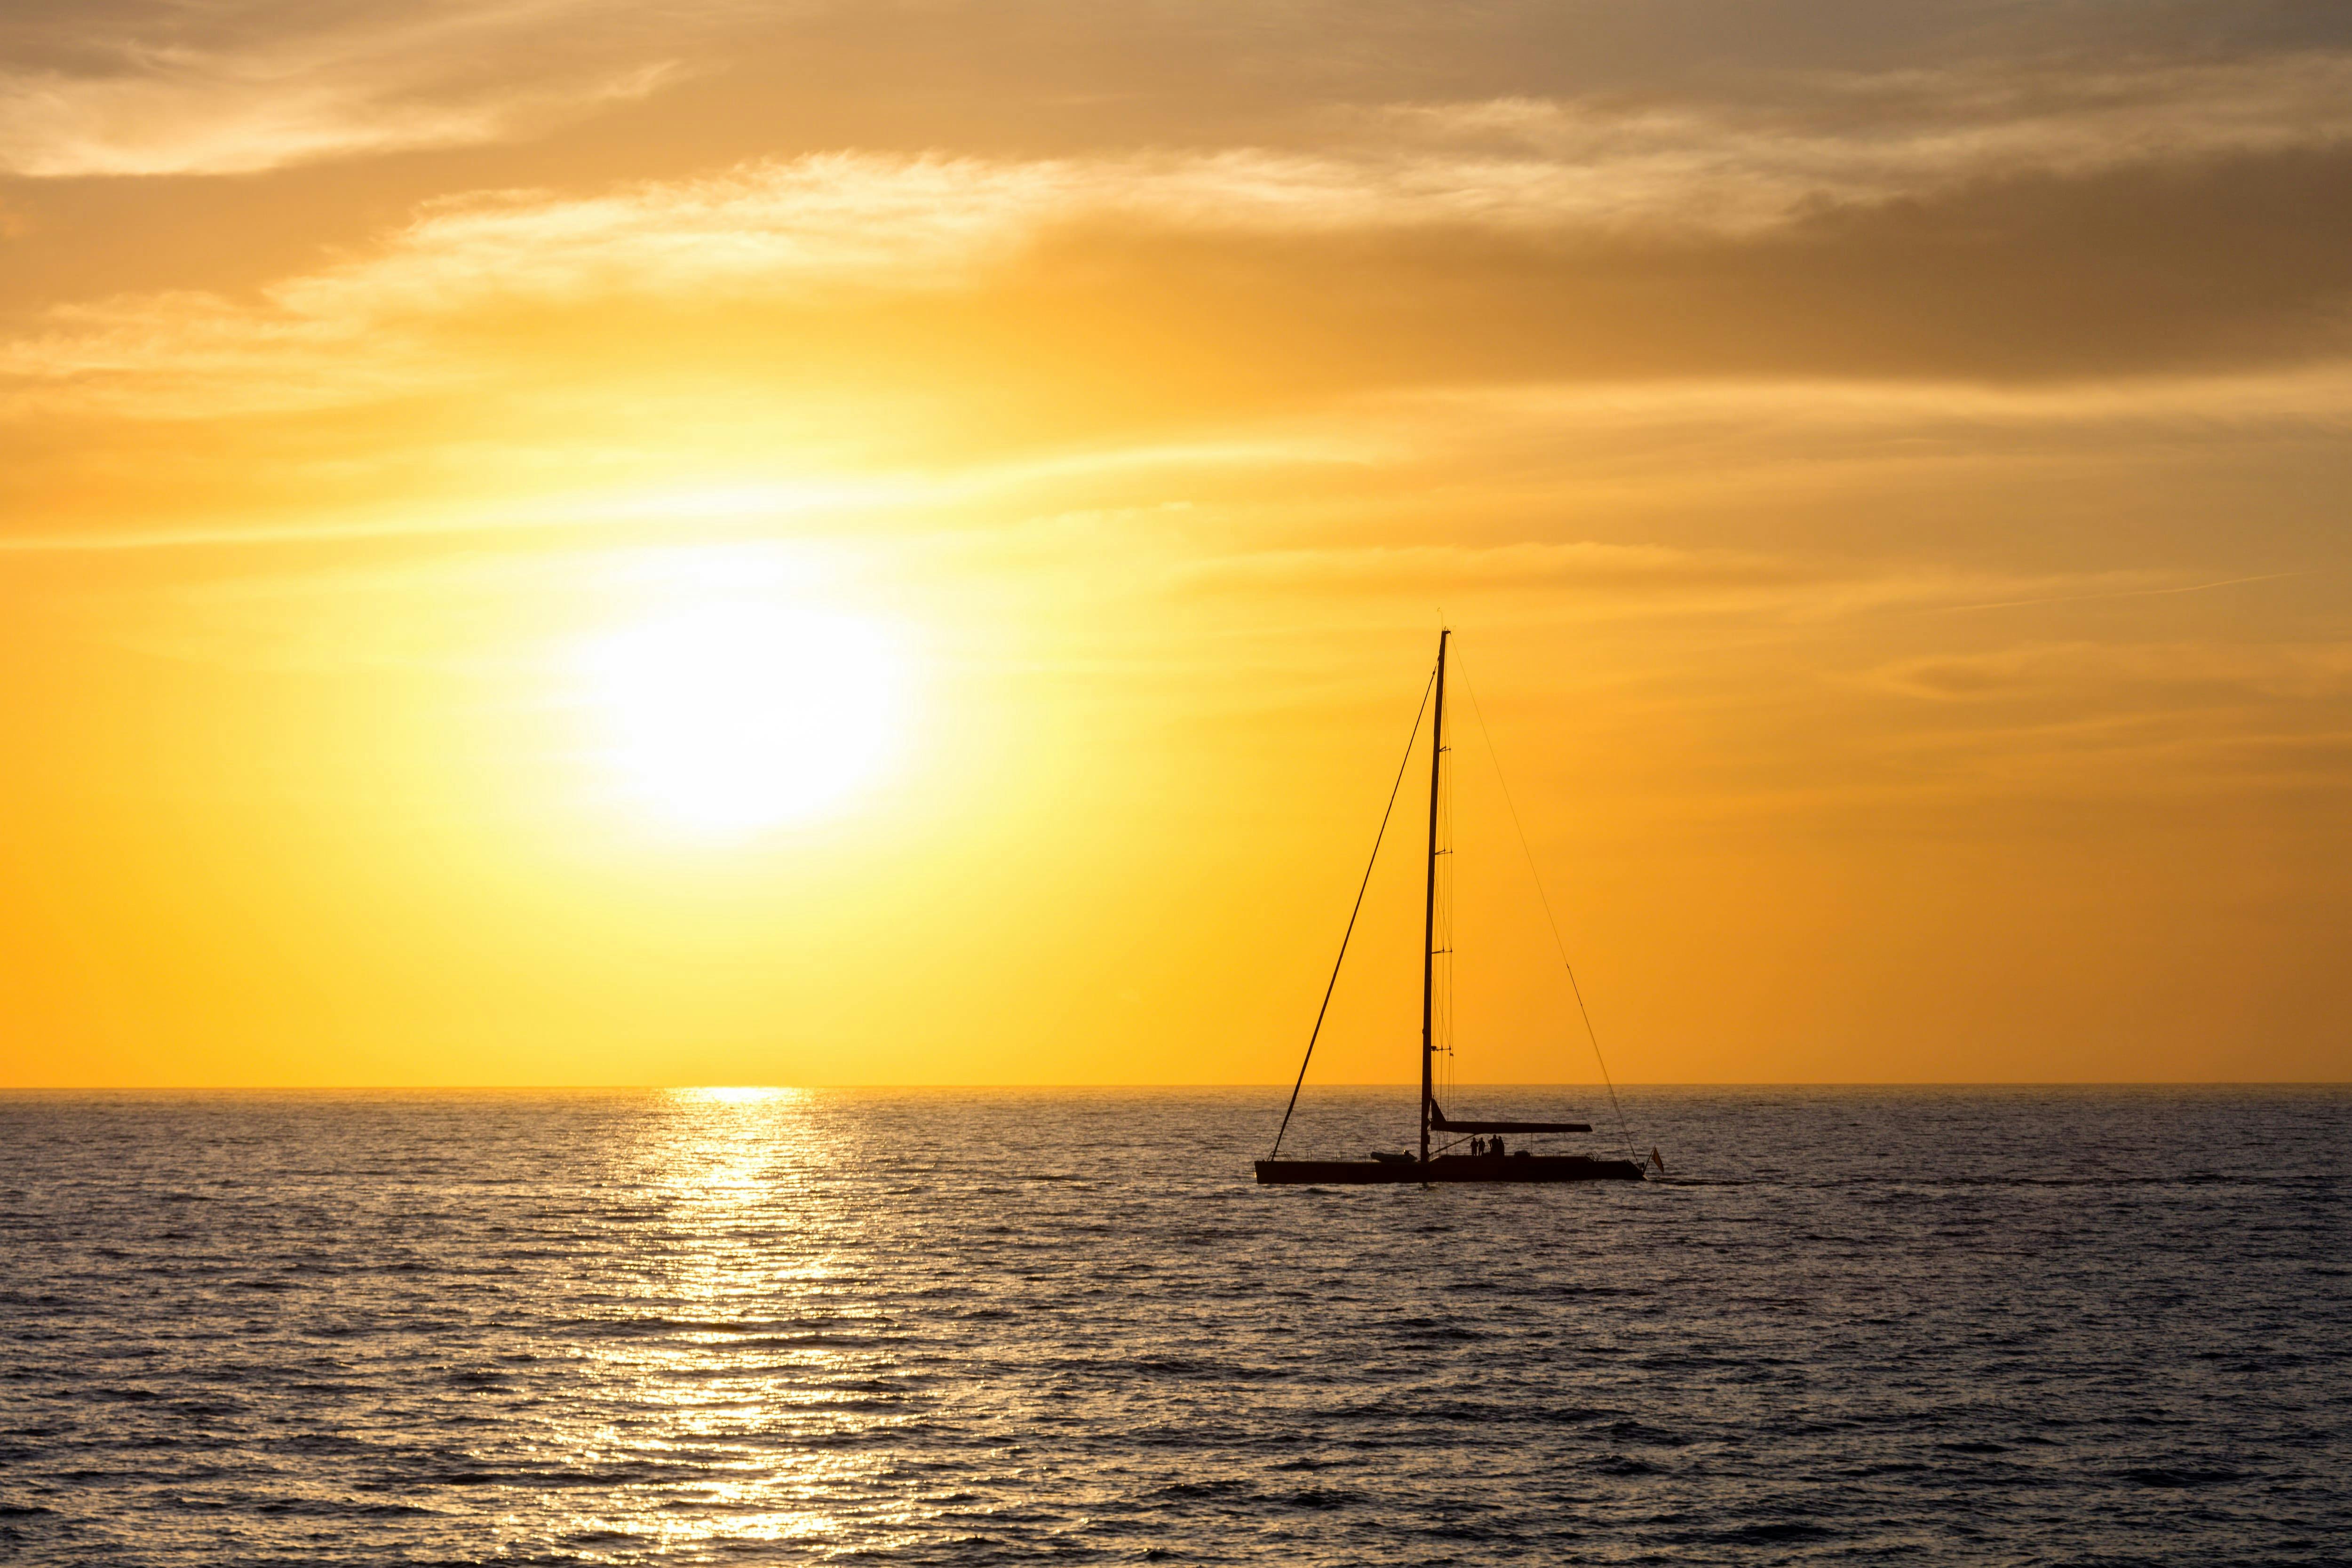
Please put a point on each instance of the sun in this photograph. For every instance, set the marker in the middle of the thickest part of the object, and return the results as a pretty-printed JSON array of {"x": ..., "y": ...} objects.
[{"x": 729, "y": 717}]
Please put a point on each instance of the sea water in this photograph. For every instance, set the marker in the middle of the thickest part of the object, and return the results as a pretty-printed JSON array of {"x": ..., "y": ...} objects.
[{"x": 2004, "y": 1326}]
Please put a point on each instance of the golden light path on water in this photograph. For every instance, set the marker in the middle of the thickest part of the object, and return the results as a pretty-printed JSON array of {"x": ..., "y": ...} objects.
[{"x": 748, "y": 1371}]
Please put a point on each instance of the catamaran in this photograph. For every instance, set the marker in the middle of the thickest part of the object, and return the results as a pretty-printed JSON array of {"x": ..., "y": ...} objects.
[{"x": 1444, "y": 1157}]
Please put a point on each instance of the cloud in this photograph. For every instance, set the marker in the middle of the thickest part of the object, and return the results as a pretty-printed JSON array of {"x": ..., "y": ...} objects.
[
  {"x": 272, "y": 89},
  {"x": 2112, "y": 720},
  {"x": 1549, "y": 172},
  {"x": 1618, "y": 110},
  {"x": 1419, "y": 570},
  {"x": 2136, "y": 273},
  {"x": 1799, "y": 143},
  {"x": 2124, "y": 677},
  {"x": 1577, "y": 579},
  {"x": 2145, "y": 221}
]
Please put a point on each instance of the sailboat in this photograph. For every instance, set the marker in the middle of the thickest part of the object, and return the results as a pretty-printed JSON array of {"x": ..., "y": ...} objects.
[{"x": 1490, "y": 1156}]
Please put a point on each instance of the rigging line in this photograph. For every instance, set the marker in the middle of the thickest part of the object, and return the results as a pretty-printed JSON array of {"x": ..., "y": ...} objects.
[
  {"x": 1387, "y": 812},
  {"x": 1496, "y": 757}
]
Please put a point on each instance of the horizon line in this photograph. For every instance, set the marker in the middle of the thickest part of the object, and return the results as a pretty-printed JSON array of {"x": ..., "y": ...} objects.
[{"x": 619, "y": 1088}]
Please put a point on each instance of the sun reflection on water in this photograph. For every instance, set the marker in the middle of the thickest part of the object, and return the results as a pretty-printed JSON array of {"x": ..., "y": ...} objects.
[
  {"x": 742, "y": 1367},
  {"x": 734, "y": 1094}
]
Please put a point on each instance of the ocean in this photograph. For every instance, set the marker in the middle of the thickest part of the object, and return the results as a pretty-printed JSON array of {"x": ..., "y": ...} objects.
[{"x": 2066, "y": 1326}]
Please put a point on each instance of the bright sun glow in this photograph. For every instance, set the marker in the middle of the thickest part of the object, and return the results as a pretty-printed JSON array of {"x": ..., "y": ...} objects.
[{"x": 729, "y": 717}]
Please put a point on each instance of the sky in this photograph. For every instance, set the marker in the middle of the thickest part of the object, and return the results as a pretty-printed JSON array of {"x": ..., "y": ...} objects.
[{"x": 554, "y": 541}]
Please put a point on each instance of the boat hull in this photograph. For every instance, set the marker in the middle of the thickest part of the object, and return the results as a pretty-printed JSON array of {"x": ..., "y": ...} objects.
[{"x": 1444, "y": 1168}]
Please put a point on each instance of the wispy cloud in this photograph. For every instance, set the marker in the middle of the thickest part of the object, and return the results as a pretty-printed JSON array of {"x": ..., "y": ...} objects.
[
  {"x": 2127, "y": 674},
  {"x": 1937, "y": 254},
  {"x": 1577, "y": 579},
  {"x": 1797, "y": 141},
  {"x": 294, "y": 89},
  {"x": 1404, "y": 271}
]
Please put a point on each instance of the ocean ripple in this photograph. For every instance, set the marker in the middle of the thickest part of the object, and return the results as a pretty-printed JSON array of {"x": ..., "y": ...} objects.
[{"x": 2000, "y": 1326}]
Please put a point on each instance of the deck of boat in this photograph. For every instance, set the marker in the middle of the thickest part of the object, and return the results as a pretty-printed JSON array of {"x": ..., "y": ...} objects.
[{"x": 1447, "y": 1168}]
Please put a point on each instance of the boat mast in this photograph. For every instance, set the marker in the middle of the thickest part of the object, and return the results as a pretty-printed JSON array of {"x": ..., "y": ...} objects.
[{"x": 1429, "y": 903}]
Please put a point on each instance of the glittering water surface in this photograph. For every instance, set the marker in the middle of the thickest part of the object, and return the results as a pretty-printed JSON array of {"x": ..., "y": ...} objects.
[{"x": 2066, "y": 1327}]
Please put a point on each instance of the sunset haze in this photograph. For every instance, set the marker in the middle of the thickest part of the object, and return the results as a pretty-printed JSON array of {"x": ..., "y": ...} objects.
[{"x": 715, "y": 543}]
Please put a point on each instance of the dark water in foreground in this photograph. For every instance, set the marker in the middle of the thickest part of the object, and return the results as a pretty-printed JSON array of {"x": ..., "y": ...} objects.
[{"x": 2011, "y": 1327}]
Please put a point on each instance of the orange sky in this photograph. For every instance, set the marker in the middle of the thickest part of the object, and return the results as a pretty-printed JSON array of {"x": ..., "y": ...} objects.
[{"x": 1887, "y": 466}]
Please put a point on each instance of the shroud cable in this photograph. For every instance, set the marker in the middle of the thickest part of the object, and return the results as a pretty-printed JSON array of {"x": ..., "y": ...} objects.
[{"x": 1387, "y": 812}]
